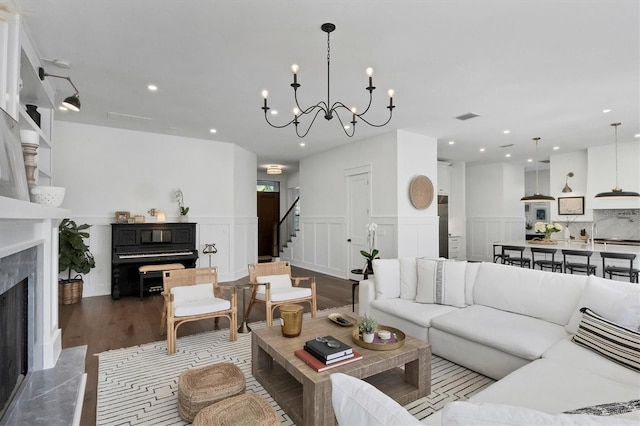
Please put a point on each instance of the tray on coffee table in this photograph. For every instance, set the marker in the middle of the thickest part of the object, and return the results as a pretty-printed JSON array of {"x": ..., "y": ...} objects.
[{"x": 396, "y": 341}]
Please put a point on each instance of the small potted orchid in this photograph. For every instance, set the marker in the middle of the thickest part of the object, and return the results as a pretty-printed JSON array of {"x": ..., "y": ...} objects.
[
  {"x": 373, "y": 252},
  {"x": 184, "y": 211},
  {"x": 547, "y": 229}
]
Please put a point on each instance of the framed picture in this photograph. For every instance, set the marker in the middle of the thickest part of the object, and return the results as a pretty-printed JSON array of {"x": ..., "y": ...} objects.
[
  {"x": 122, "y": 217},
  {"x": 571, "y": 205},
  {"x": 541, "y": 214},
  {"x": 13, "y": 177}
]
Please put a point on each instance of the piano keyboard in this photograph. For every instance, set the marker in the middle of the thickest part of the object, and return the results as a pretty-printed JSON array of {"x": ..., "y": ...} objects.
[{"x": 143, "y": 255}]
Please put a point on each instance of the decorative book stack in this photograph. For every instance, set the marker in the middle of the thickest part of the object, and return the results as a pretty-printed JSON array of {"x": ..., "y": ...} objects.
[{"x": 327, "y": 352}]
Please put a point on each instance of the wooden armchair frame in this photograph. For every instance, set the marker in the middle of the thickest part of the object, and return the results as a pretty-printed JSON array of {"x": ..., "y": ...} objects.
[
  {"x": 277, "y": 268},
  {"x": 187, "y": 277}
]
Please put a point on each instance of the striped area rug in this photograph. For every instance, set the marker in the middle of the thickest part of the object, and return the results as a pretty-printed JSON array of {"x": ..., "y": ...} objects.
[{"x": 139, "y": 385}]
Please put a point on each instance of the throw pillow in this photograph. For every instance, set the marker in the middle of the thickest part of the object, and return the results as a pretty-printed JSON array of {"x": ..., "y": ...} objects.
[
  {"x": 441, "y": 282},
  {"x": 468, "y": 414},
  {"x": 609, "y": 339},
  {"x": 192, "y": 292},
  {"x": 408, "y": 278},
  {"x": 356, "y": 402},
  {"x": 277, "y": 282},
  {"x": 386, "y": 276},
  {"x": 609, "y": 409}
]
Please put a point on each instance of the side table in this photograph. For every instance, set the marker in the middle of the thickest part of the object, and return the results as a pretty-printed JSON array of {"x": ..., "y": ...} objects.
[{"x": 355, "y": 284}]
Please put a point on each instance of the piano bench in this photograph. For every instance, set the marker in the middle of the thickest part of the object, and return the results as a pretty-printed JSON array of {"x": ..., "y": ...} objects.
[{"x": 153, "y": 271}]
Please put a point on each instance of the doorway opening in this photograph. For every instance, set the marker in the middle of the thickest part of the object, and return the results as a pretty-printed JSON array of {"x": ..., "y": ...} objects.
[{"x": 268, "y": 202}]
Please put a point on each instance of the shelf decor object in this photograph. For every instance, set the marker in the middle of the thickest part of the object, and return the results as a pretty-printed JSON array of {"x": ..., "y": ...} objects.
[
  {"x": 617, "y": 192},
  {"x": 30, "y": 142},
  {"x": 13, "y": 177},
  {"x": 537, "y": 197},
  {"x": 327, "y": 108}
]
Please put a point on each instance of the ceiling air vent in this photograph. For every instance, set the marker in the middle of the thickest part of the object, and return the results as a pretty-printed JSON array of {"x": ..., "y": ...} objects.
[
  {"x": 545, "y": 161},
  {"x": 467, "y": 116},
  {"x": 506, "y": 146},
  {"x": 126, "y": 117}
]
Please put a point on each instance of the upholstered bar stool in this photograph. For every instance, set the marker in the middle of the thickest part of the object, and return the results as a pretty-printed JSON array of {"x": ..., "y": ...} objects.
[
  {"x": 517, "y": 259},
  {"x": 553, "y": 264},
  {"x": 620, "y": 271},
  {"x": 572, "y": 267}
]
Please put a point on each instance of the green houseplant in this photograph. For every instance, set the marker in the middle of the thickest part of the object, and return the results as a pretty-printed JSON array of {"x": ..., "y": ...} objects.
[
  {"x": 73, "y": 255},
  {"x": 367, "y": 327}
]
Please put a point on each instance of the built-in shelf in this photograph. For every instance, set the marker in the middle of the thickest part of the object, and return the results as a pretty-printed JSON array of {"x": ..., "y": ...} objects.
[
  {"x": 27, "y": 123},
  {"x": 11, "y": 208}
]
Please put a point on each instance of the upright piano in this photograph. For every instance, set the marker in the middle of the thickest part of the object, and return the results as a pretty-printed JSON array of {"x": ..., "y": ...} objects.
[{"x": 137, "y": 244}]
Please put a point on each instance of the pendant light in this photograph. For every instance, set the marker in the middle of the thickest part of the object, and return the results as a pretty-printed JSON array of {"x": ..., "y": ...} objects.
[
  {"x": 617, "y": 192},
  {"x": 537, "y": 197}
]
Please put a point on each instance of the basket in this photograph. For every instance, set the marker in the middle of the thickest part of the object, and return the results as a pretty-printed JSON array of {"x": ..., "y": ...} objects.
[{"x": 69, "y": 292}]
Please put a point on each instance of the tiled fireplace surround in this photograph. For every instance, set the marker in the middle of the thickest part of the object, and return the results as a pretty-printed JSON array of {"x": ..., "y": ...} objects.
[{"x": 28, "y": 249}]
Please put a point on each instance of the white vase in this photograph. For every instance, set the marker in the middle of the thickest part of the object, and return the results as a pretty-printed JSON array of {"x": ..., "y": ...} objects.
[
  {"x": 183, "y": 218},
  {"x": 368, "y": 337}
]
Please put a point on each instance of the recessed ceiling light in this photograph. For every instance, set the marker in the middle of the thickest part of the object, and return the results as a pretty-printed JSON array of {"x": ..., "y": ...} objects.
[
  {"x": 213, "y": 131},
  {"x": 637, "y": 135},
  {"x": 555, "y": 148},
  {"x": 451, "y": 142},
  {"x": 529, "y": 160},
  {"x": 606, "y": 111},
  {"x": 152, "y": 87},
  {"x": 482, "y": 150},
  {"x": 506, "y": 132},
  {"x": 303, "y": 144},
  {"x": 507, "y": 155},
  {"x": 274, "y": 112}
]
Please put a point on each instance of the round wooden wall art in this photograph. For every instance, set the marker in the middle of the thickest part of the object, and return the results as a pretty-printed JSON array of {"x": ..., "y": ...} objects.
[{"x": 421, "y": 192}]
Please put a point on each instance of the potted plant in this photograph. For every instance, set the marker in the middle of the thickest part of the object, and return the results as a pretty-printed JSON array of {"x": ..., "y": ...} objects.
[
  {"x": 184, "y": 211},
  {"x": 367, "y": 327},
  {"x": 73, "y": 255},
  {"x": 373, "y": 252}
]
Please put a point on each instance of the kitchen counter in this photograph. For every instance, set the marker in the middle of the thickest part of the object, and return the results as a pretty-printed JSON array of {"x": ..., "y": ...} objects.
[{"x": 577, "y": 245}]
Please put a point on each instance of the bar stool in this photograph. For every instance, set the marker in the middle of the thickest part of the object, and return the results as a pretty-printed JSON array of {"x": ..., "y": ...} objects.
[
  {"x": 552, "y": 264},
  {"x": 498, "y": 256},
  {"x": 620, "y": 271},
  {"x": 520, "y": 260},
  {"x": 587, "y": 268}
]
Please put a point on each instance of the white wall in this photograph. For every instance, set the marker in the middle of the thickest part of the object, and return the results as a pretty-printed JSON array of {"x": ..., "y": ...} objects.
[
  {"x": 494, "y": 210},
  {"x": 417, "y": 229},
  {"x": 602, "y": 174},
  {"x": 107, "y": 170},
  {"x": 458, "y": 204}
]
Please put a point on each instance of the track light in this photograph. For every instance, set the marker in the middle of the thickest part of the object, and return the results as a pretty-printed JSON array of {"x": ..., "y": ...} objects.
[{"x": 71, "y": 102}]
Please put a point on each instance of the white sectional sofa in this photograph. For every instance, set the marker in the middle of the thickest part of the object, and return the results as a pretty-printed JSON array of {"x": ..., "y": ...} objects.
[{"x": 512, "y": 324}]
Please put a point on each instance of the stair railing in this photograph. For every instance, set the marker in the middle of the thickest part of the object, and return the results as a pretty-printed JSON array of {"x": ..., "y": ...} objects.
[{"x": 288, "y": 225}]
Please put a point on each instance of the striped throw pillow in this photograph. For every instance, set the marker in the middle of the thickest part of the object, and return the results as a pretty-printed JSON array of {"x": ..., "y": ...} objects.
[{"x": 610, "y": 340}]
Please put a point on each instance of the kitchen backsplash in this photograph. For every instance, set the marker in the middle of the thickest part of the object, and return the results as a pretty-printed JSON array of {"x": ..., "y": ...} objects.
[{"x": 623, "y": 224}]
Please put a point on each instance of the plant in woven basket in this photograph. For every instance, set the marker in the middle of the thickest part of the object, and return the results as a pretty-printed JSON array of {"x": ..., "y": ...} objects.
[{"x": 74, "y": 254}]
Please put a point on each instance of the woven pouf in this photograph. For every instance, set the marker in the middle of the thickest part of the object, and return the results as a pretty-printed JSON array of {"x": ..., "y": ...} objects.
[
  {"x": 246, "y": 409},
  {"x": 201, "y": 387}
]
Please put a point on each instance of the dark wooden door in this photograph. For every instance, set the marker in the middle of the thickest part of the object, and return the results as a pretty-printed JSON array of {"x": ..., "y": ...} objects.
[{"x": 268, "y": 215}]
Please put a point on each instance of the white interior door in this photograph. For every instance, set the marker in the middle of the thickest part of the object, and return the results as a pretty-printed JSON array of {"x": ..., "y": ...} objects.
[{"x": 358, "y": 215}]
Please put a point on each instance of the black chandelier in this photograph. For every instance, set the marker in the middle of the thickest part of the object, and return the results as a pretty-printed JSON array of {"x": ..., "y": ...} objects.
[{"x": 323, "y": 106}]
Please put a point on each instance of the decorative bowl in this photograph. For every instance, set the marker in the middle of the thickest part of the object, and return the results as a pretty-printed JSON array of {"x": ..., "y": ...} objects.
[{"x": 48, "y": 195}]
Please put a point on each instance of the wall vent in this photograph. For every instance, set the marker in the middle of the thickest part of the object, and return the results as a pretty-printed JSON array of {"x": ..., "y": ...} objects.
[
  {"x": 126, "y": 117},
  {"x": 467, "y": 116},
  {"x": 509, "y": 145}
]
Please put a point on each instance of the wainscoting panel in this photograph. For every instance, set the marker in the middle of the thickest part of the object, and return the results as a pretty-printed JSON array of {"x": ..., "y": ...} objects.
[{"x": 483, "y": 232}]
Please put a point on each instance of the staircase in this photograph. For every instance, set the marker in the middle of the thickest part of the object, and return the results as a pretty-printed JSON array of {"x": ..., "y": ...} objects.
[{"x": 288, "y": 230}]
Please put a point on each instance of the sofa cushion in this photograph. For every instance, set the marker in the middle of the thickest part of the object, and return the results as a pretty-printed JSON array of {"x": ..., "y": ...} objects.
[
  {"x": 386, "y": 274},
  {"x": 417, "y": 313},
  {"x": 580, "y": 357},
  {"x": 356, "y": 402},
  {"x": 470, "y": 274},
  {"x": 462, "y": 413},
  {"x": 616, "y": 301},
  {"x": 408, "y": 278},
  {"x": 518, "y": 335},
  {"x": 617, "y": 343},
  {"x": 540, "y": 294},
  {"x": 441, "y": 281},
  {"x": 538, "y": 384}
]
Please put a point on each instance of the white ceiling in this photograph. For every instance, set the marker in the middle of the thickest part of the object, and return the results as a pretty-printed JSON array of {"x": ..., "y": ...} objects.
[{"x": 542, "y": 68}]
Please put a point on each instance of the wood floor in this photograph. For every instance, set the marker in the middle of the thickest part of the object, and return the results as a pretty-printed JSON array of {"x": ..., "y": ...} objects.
[{"x": 103, "y": 324}]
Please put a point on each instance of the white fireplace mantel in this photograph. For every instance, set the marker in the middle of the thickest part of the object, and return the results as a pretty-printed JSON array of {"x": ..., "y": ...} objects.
[{"x": 24, "y": 225}]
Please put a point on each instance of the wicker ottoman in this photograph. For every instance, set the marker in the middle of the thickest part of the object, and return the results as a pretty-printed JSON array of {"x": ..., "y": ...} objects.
[
  {"x": 246, "y": 409},
  {"x": 201, "y": 387}
]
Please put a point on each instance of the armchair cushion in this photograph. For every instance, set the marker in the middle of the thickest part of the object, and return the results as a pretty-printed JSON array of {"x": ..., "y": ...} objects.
[
  {"x": 282, "y": 294},
  {"x": 278, "y": 282},
  {"x": 196, "y": 300}
]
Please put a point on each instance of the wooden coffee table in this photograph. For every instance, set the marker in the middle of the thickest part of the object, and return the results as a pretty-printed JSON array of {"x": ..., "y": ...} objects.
[{"x": 305, "y": 395}]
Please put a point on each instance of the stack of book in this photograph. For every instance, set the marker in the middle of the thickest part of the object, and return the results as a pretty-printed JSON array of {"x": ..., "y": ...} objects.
[{"x": 320, "y": 356}]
